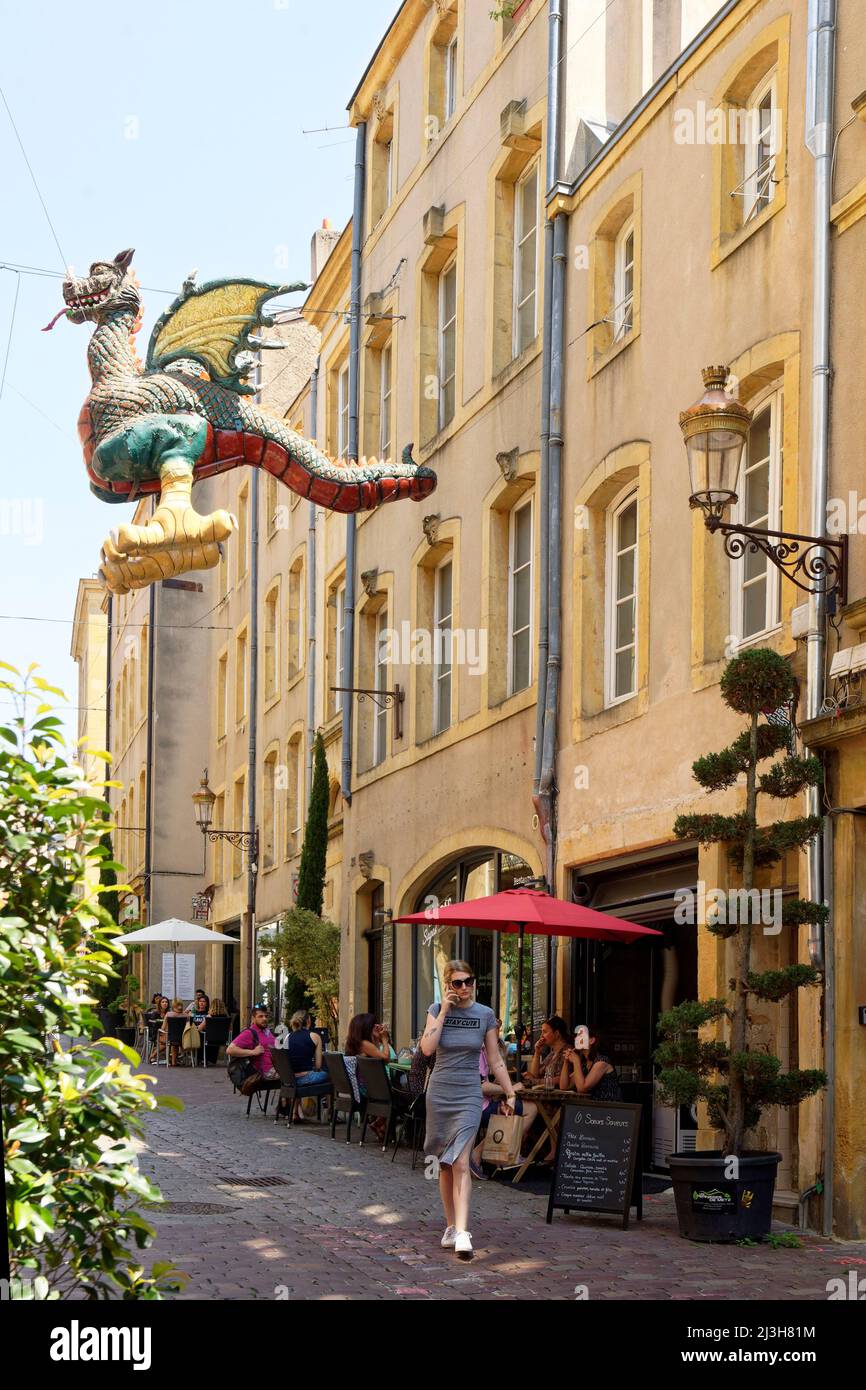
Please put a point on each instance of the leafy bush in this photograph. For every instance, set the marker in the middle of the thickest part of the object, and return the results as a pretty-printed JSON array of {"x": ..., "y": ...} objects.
[
  {"x": 71, "y": 1108},
  {"x": 308, "y": 946}
]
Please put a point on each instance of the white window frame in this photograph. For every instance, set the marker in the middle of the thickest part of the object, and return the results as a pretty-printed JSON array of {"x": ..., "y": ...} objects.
[
  {"x": 450, "y": 59},
  {"x": 380, "y": 683},
  {"x": 343, "y": 411},
  {"x": 272, "y": 600},
  {"x": 623, "y": 299},
  {"x": 759, "y": 181},
  {"x": 385, "y": 393},
  {"x": 774, "y": 399},
  {"x": 442, "y": 669},
  {"x": 443, "y": 329},
  {"x": 617, "y": 507},
  {"x": 512, "y": 573},
  {"x": 521, "y": 235},
  {"x": 270, "y": 853}
]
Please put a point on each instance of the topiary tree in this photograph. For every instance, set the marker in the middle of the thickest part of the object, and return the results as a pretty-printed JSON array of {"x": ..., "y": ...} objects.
[
  {"x": 311, "y": 874},
  {"x": 70, "y": 1108},
  {"x": 308, "y": 947},
  {"x": 736, "y": 1082}
]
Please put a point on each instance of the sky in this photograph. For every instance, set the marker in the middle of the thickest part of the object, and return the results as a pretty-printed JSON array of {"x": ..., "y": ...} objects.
[{"x": 175, "y": 127}]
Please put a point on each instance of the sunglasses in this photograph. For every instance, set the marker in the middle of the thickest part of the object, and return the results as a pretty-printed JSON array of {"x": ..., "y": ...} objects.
[{"x": 464, "y": 983}]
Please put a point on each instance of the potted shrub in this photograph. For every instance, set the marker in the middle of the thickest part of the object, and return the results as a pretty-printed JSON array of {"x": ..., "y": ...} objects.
[{"x": 727, "y": 1193}]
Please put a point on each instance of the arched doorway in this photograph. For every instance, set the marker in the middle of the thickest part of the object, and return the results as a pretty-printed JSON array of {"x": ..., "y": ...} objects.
[{"x": 476, "y": 873}]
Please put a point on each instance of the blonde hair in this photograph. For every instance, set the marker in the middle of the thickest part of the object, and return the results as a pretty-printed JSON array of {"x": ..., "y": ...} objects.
[
  {"x": 177, "y": 1006},
  {"x": 298, "y": 1019},
  {"x": 217, "y": 1008},
  {"x": 453, "y": 965}
]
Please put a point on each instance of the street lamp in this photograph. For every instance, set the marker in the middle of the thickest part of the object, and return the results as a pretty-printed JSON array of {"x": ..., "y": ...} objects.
[
  {"x": 203, "y": 804},
  {"x": 714, "y": 431}
]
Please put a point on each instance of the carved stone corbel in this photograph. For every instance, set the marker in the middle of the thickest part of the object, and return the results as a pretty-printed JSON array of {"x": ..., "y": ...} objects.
[
  {"x": 508, "y": 463},
  {"x": 370, "y": 582},
  {"x": 430, "y": 527},
  {"x": 366, "y": 862}
]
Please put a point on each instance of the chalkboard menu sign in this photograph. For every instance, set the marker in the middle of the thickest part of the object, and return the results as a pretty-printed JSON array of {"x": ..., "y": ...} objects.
[{"x": 596, "y": 1152}]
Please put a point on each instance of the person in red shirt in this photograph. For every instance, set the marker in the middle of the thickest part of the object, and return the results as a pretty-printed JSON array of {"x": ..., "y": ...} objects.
[{"x": 256, "y": 1042}]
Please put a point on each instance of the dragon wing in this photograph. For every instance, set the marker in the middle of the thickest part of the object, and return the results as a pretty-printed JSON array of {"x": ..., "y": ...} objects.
[{"x": 211, "y": 324}]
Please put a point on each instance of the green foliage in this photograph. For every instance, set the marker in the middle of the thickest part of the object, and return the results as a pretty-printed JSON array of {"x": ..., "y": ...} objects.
[
  {"x": 783, "y": 1240},
  {"x": 70, "y": 1108},
  {"x": 790, "y": 776},
  {"x": 777, "y": 984},
  {"x": 308, "y": 946},
  {"x": 737, "y": 1086},
  {"x": 311, "y": 874},
  {"x": 757, "y": 681}
]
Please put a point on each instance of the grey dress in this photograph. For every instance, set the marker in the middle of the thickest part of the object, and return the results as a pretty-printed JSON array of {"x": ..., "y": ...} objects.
[{"x": 454, "y": 1097}]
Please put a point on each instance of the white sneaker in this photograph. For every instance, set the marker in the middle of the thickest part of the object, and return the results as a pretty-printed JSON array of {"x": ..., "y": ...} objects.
[
  {"x": 463, "y": 1245},
  {"x": 450, "y": 1236}
]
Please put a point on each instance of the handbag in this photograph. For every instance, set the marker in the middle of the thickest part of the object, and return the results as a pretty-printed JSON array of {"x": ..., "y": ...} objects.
[
  {"x": 241, "y": 1069},
  {"x": 191, "y": 1038},
  {"x": 503, "y": 1139}
]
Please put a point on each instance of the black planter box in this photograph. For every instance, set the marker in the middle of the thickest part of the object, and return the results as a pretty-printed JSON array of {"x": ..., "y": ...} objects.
[
  {"x": 712, "y": 1206},
  {"x": 126, "y": 1035}
]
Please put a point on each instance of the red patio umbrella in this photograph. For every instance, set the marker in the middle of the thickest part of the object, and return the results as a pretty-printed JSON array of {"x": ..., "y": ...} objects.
[{"x": 530, "y": 910}]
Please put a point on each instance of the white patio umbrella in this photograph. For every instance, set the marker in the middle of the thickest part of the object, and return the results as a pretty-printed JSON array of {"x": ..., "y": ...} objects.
[{"x": 174, "y": 931}]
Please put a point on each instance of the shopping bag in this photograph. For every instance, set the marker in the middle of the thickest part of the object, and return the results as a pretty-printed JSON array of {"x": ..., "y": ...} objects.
[
  {"x": 502, "y": 1143},
  {"x": 191, "y": 1039}
]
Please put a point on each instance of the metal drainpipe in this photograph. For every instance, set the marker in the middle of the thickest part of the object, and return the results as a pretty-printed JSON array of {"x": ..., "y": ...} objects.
[
  {"x": 822, "y": 27},
  {"x": 311, "y": 596},
  {"x": 252, "y": 860},
  {"x": 829, "y": 943},
  {"x": 354, "y": 379},
  {"x": 547, "y": 789},
  {"x": 148, "y": 819}
]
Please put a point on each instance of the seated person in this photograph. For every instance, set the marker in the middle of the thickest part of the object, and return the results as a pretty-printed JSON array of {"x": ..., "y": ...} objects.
[
  {"x": 305, "y": 1054},
  {"x": 256, "y": 1043},
  {"x": 364, "y": 1039},
  {"x": 546, "y": 1064},
  {"x": 216, "y": 1009},
  {"x": 177, "y": 1010},
  {"x": 588, "y": 1070},
  {"x": 156, "y": 1027}
]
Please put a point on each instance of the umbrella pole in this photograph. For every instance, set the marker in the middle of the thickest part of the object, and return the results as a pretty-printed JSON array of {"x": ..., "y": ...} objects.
[{"x": 519, "y": 999}]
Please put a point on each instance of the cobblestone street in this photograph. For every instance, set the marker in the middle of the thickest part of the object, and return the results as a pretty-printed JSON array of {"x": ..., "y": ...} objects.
[{"x": 346, "y": 1223}]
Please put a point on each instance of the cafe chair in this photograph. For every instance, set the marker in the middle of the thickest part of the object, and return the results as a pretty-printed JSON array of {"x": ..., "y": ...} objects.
[
  {"x": 382, "y": 1099},
  {"x": 343, "y": 1097},
  {"x": 142, "y": 1037},
  {"x": 216, "y": 1034},
  {"x": 173, "y": 1036},
  {"x": 415, "y": 1115},
  {"x": 291, "y": 1089}
]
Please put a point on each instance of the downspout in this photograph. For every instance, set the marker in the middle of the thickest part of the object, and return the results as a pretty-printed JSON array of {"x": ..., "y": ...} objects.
[
  {"x": 252, "y": 857},
  {"x": 550, "y": 634},
  {"x": 820, "y": 81},
  {"x": 109, "y": 615},
  {"x": 311, "y": 596},
  {"x": 354, "y": 394},
  {"x": 148, "y": 819}
]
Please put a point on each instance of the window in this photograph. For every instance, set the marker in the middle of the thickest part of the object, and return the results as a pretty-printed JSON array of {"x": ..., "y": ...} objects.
[
  {"x": 295, "y": 795},
  {"x": 240, "y": 677},
  {"x": 295, "y": 622},
  {"x": 526, "y": 260},
  {"x": 447, "y": 343},
  {"x": 623, "y": 282},
  {"x": 621, "y": 645},
  {"x": 520, "y": 595},
  {"x": 336, "y": 637},
  {"x": 343, "y": 412},
  {"x": 238, "y": 823},
  {"x": 382, "y": 170},
  {"x": 271, "y": 504},
  {"x": 442, "y": 615},
  {"x": 380, "y": 728},
  {"x": 759, "y": 155},
  {"x": 385, "y": 402},
  {"x": 133, "y": 834},
  {"x": 451, "y": 78},
  {"x": 222, "y": 695},
  {"x": 269, "y": 809},
  {"x": 243, "y": 527},
  {"x": 754, "y": 581},
  {"x": 272, "y": 644}
]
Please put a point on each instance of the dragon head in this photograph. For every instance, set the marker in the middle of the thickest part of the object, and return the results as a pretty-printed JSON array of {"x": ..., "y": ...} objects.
[{"x": 108, "y": 286}]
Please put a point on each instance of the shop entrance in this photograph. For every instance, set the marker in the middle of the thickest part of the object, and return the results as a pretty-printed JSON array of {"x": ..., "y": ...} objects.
[{"x": 621, "y": 990}]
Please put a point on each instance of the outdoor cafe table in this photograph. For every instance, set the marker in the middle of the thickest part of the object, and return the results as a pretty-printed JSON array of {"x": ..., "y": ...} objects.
[{"x": 549, "y": 1101}]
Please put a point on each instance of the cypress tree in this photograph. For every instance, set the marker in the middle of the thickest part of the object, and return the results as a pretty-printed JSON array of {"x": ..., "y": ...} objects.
[{"x": 311, "y": 875}]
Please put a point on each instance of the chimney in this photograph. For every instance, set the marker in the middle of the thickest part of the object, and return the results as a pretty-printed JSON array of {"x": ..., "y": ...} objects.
[{"x": 323, "y": 242}]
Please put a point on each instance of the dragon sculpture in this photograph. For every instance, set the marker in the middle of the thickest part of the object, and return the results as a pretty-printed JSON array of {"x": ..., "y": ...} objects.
[{"x": 182, "y": 417}]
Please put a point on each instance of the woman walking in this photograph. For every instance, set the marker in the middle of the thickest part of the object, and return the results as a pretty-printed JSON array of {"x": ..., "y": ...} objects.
[{"x": 456, "y": 1031}]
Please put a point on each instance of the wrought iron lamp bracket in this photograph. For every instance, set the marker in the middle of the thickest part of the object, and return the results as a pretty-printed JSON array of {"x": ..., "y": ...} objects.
[
  {"x": 382, "y": 699},
  {"x": 816, "y": 564}
]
